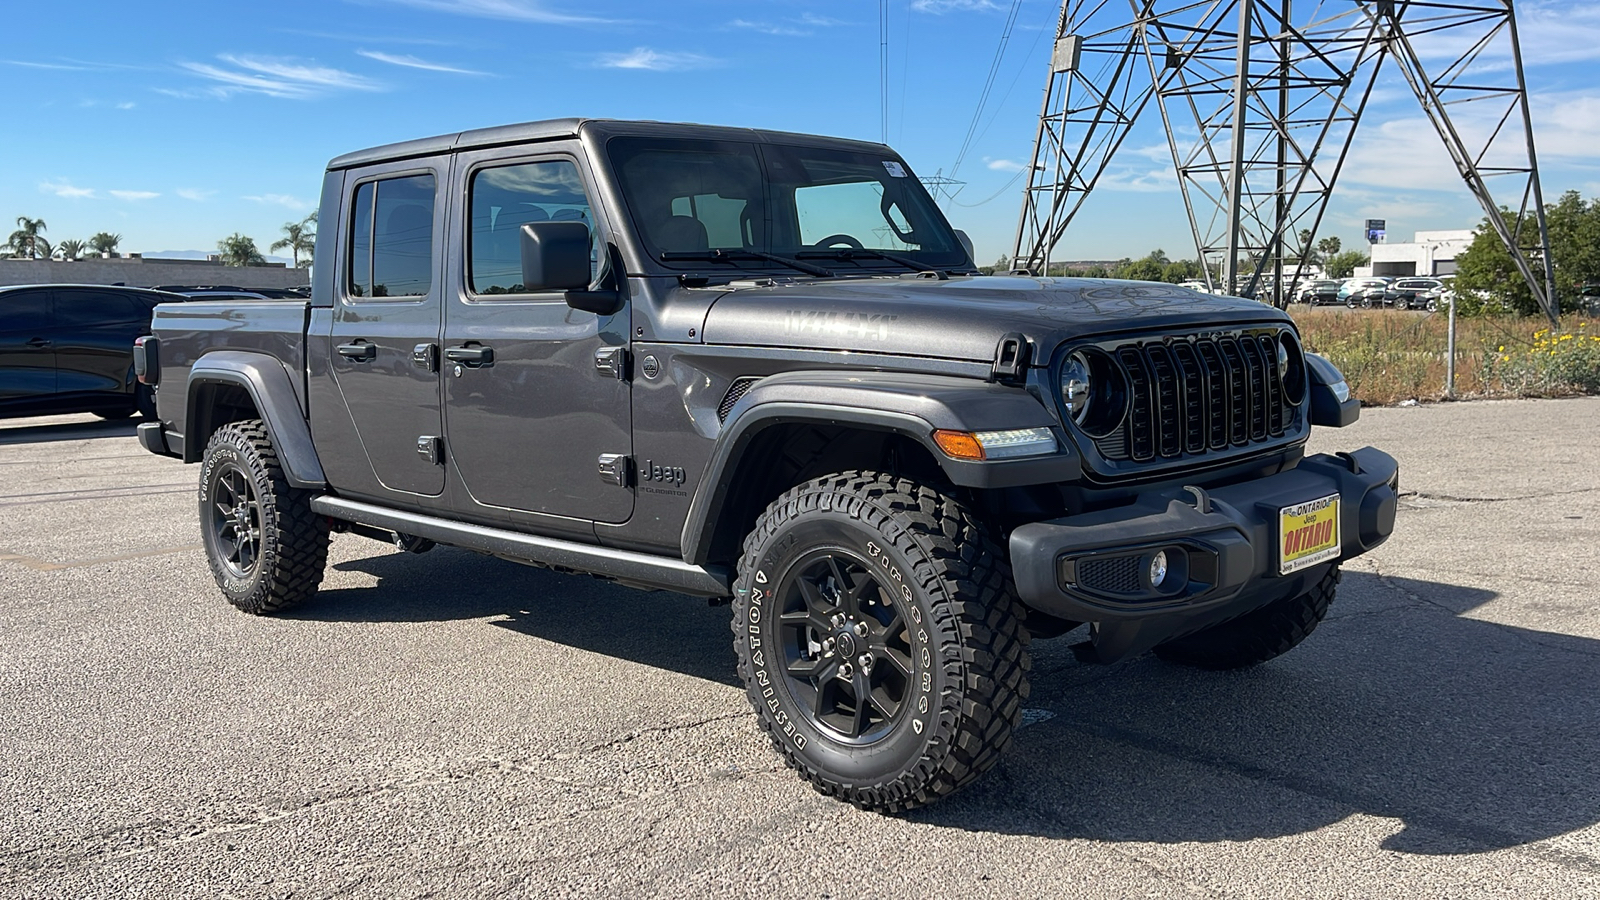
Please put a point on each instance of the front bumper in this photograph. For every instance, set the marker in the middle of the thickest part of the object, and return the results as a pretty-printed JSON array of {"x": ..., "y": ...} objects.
[{"x": 1223, "y": 547}]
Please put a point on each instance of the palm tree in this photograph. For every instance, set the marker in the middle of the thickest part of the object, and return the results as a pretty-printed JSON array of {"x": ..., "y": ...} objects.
[
  {"x": 105, "y": 243},
  {"x": 70, "y": 249},
  {"x": 26, "y": 243},
  {"x": 238, "y": 250},
  {"x": 299, "y": 237}
]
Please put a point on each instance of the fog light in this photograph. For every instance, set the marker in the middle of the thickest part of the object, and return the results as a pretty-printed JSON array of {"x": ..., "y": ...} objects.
[{"x": 1158, "y": 568}]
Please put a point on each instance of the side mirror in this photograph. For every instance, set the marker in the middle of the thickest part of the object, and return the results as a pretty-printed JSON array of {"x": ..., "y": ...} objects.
[
  {"x": 966, "y": 244},
  {"x": 555, "y": 257}
]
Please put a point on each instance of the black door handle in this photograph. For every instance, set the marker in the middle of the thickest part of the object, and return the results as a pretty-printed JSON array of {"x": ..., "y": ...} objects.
[
  {"x": 360, "y": 350},
  {"x": 38, "y": 343},
  {"x": 472, "y": 356}
]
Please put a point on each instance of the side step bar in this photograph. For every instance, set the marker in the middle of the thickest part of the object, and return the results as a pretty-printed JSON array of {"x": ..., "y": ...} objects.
[{"x": 634, "y": 569}]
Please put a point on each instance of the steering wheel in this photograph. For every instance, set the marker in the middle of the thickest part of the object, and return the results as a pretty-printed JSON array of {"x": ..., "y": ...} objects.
[{"x": 847, "y": 240}]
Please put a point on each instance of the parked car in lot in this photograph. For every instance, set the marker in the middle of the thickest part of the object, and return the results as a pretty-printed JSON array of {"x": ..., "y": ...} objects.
[
  {"x": 1358, "y": 292},
  {"x": 762, "y": 368},
  {"x": 1319, "y": 292},
  {"x": 1415, "y": 293},
  {"x": 228, "y": 295},
  {"x": 67, "y": 348}
]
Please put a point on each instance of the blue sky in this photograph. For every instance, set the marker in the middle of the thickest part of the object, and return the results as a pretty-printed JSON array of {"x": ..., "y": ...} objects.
[{"x": 178, "y": 123}]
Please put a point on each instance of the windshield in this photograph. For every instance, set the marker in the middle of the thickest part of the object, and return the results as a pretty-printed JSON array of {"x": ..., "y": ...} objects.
[{"x": 691, "y": 198}]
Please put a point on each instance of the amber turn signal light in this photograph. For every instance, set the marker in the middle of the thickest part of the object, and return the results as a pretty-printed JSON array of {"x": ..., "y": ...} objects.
[{"x": 958, "y": 444}]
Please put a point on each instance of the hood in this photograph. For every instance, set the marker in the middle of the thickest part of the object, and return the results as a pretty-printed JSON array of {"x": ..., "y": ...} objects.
[{"x": 963, "y": 318}]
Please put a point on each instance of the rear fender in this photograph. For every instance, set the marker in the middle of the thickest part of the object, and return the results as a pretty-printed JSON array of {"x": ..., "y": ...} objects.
[{"x": 272, "y": 392}]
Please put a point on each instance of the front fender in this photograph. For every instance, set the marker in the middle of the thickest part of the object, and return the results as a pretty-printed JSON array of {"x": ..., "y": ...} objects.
[
  {"x": 902, "y": 403},
  {"x": 268, "y": 383}
]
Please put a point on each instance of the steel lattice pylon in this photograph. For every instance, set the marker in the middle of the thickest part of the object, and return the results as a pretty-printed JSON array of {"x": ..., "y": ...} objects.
[{"x": 1260, "y": 100}]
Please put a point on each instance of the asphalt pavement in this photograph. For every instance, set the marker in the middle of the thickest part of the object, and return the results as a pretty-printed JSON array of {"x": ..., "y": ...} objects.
[{"x": 451, "y": 725}]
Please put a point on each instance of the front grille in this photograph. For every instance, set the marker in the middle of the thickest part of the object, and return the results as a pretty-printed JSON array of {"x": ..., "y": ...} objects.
[
  {"x": 1110, "y": 574},
  {"x": 737, "y": 390},
  {"x": 1192, "y": 396}
]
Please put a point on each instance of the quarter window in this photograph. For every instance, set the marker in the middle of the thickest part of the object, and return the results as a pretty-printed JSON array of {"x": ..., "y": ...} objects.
[
  {"x": 504, "y": 199},
  {"x": 391, "y": 238}
]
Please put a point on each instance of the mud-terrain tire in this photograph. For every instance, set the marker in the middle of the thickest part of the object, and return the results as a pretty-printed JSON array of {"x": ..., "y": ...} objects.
[
  {"x": 1257, "y": 636},
  {"x": 862, "y": 565},
  {"x": 267, "y": 549}
]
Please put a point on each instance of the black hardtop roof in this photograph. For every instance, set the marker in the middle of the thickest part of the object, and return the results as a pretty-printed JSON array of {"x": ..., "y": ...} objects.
[{"x": 552, "y": 129}]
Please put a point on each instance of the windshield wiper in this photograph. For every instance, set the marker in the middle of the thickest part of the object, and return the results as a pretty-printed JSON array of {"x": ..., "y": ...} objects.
[
  {"x": 737, "y": 254},
  {"x": 852, "y": 253}
]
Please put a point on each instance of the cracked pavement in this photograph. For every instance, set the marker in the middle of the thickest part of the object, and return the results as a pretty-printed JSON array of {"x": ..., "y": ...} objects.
[{"x": 450, "y": 725}]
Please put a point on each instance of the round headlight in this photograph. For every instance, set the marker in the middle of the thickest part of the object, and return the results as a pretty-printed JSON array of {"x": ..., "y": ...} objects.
[
  {"x": 1075, "y": 387},
  {"x": 1291, "y": 368}
]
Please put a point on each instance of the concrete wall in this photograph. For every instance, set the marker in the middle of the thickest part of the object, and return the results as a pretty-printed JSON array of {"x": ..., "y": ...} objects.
[
  {"x": 148, "y": 273},
  {"x": 1432, "y": 253}
]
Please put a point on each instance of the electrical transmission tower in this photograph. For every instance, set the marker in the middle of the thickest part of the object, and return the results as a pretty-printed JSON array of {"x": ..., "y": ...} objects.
[{"x": 1260, "y": 100}]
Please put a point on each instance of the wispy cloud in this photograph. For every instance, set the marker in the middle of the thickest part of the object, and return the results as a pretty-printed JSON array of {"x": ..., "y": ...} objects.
[
  {"x": 64, "y": 188},
  {"x": 275, "y": 78},
  {"x": 412, "y": 62},
  {"x": 126, "y": 104},
  {"x": 194, "y": 194},
  {"x": 279, "y": 200},
  {"x": 60, "y": 67},
  {"x": 1004, "y": 165},
  {"x": 769, "y": 28},
  {"x": 514, "y": 10},
  {"x": 938, "y": 7},
  {"x": 654, "y": 60},
  {"x": 134, "y": 195}
]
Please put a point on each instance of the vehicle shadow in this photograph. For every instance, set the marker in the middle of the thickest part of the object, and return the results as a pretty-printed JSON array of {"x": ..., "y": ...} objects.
[
  {"x": 1474, "y": 735},
  {"x": 45, "y": 432},
  {"x": 656, "y": 628}
]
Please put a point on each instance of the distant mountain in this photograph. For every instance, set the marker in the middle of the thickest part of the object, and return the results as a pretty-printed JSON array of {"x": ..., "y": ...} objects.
[{"x": 202, "y": 254}]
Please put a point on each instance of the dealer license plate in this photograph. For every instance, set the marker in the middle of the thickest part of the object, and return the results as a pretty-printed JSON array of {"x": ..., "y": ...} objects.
[{"x": 1308, "y": 533}]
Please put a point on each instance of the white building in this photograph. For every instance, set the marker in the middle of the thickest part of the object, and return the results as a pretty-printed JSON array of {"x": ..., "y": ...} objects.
[{"x": 1430, "y": 253}]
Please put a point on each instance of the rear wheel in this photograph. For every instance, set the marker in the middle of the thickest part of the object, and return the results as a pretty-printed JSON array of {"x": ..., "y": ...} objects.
[
  {"x": 879, "y": 639},
  {"x": 267, "y": 549},
  {"x": 1258, "y": 636}
]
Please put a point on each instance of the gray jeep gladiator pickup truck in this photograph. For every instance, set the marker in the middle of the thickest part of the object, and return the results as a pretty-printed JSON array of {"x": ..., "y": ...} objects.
[{"x": 760, "y": 367}]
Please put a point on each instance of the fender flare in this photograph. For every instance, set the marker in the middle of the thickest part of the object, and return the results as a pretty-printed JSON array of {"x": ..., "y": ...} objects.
[
  {"x": 270, "y": 388},
  {"x": 901, "y": 403}
]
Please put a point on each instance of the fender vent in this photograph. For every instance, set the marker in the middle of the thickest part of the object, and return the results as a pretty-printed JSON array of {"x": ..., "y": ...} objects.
[{"x": 738, "y": 389}]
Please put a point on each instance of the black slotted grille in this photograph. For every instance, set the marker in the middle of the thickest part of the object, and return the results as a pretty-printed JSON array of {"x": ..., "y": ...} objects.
[
  {"x": 1191, "y": 396},
  {"x": 1111, "y": 574}
]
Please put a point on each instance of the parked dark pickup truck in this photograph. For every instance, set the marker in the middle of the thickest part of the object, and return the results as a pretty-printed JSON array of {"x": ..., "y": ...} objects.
[{"x": 760, "y": 367}]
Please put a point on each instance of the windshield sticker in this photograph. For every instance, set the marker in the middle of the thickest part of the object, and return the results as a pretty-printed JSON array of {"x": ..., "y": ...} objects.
[{"x": 894, "y": 168}]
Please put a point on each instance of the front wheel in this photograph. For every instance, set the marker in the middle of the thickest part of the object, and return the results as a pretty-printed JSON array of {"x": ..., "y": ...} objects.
[
  {"x": 880, "y": 639},
  {"x": 266, "y": 547},
  {"x": 1257, "y": 636}
]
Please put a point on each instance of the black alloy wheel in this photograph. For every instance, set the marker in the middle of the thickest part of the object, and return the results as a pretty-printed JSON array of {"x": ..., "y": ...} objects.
[
  {"x": 847, "y": 653},
  {"x": 235, "y": 520}
]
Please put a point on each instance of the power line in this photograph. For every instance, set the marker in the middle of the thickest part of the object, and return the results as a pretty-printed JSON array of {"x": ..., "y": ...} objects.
[
  {"x": 883, "y": 67},
  {"x": 988, "y": 85}
]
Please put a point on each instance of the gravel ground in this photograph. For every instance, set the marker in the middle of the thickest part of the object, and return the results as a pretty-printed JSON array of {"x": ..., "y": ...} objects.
[{"x": 449, "y": 725}]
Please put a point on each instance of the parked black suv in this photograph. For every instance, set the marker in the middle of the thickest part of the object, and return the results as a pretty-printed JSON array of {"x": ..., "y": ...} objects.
[
  {"x": 67, "y": 348},
  {"x": 761, "y": 367}
]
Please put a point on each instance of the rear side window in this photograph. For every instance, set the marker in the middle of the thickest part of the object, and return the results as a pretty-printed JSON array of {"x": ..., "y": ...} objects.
[
  {"x": 391, "y": 238},
  {"x": 85, "y": 309},
  {"x": 504, "y": 199}
]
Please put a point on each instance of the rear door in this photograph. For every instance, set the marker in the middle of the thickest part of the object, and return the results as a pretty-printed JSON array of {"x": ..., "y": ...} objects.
[
  {"x": 93, "y": 333},
  {"x": 385, "y": 321},
  {"x": 528, "y": 424},
  {"x": 27, "y": 359}
]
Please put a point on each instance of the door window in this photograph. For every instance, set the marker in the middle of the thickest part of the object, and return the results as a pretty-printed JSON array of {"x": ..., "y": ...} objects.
[
  {"x": 391, "y": 238},
  {"x": 25, "y": 312},
  {"x": 504, "y": 199},
  {"x": 83, "y": 309}
]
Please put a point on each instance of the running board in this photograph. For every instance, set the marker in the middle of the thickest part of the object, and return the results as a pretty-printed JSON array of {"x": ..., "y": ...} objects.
[{"x": 634, "y": 569}]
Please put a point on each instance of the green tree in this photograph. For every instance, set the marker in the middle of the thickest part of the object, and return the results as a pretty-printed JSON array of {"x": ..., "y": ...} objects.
[
  {"x": 299, "y": 237},
  {"x": 238, "y": 250},
  {"x": 26, "y": 243},
  {"x": 1329, "y": 246},
  {"x": 1343, "y": 265},
  {"x": 104, "y": 242},
  {"x": 1487, "y": 281},
  {"x": 70, "y": 249}
]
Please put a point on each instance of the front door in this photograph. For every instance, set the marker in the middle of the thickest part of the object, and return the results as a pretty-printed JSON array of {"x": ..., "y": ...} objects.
[
  {"x": 385, "y": 327},
  {"x": 93, "y": 338},
  {"x": 528, "y": 414},
  {"x": 27, "y": 359}
]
